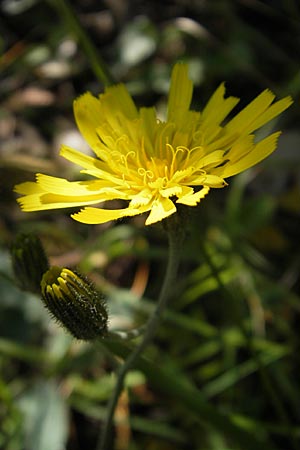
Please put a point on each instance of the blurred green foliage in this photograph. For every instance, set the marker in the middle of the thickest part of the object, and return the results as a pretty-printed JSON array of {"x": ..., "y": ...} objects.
[{"x": 224, "y": 371}]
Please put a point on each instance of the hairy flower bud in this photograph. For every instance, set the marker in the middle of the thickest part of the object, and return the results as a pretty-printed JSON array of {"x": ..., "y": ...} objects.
[
  {"x": 75, "y": 303},
  {"x": 29, "y": 262}
]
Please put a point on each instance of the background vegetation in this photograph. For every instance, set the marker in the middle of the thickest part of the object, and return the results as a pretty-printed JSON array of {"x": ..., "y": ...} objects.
[{"x": 224, "y": 370}]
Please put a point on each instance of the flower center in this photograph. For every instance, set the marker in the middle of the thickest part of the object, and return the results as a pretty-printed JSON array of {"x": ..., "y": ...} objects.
[{"x": 154, "y": 169}]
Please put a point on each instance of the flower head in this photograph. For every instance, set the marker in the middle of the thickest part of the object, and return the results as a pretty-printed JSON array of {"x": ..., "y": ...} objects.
[
  {"x": 75, "y": 303},
  {"x": 154, "y": 164}
]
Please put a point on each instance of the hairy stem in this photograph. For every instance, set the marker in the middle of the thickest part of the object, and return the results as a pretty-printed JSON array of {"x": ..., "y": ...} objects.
[{"x": 175, "y": 236}]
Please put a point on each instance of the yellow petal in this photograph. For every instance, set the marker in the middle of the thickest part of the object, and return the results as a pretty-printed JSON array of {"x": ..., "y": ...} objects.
[
  {"x": 214, "y": 181},
  {"x": 117, "y": 99},
  {"x": 47, "y": 200},
  {"x": 148, "y": 128},
  {"x": 224, "y": 142},
  {"x": 28, "y": 188},
  {"x": 185, "y": 191},
  {"x": 261, "y": 150},
  {"x": 43, "y": 202},
  {"x": 96, "y": 215},
  {"x": 182, "y": 175},
  {"x": 92, "y": 166},
  {"x": 61, "y": 186},
  {"x": 88, "y": 162},
  {"x": 240, "y": 148},
  {"x": 170, "y": 191},
  {"x": 52, "y": 192},
  {"x": 142, "y": 198},
  {"x": 180, "y": 94},
  {"x": 181, "y": 139},
  {"x": 161, "y": 208},
  {"x": 207, "y": 180},
  {"x": 88, "y": 114},
  {"x": 218, "y": 107},
  {"x": 270, "y": 113},
  {"x": 193, "y": 199},
  {"x": 242, "y": 122},
  {"x": 213, "y": 158}
]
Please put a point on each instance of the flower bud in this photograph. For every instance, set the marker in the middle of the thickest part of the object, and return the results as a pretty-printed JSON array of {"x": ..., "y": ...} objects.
[
  {"x": 29, "y": 262},
  {"x": 75, "y": 303}
]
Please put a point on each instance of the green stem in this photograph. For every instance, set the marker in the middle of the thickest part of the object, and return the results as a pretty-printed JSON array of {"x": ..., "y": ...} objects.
[
  {"x": 99, "y": 67},
  {"x": 175, "y": 237}
]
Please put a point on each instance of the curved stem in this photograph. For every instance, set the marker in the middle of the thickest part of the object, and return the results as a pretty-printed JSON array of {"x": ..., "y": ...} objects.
[{"x": 175, "y": 236}]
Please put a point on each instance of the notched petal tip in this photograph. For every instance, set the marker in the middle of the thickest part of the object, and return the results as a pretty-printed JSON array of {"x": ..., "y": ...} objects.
[
  {"x": 20, "y": 202},
  {"x": 82, "y": 99},
  {"x": 195, "y": 198},
  {"x": 161, "y": 209}
]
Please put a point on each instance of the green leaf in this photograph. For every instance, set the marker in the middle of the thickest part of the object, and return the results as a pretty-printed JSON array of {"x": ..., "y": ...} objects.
[
  {"x": 45, "y": 417},
  {"x": 244, "y": 433}
]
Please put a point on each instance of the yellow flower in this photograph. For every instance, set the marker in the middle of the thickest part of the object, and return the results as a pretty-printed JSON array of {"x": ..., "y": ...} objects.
[{"x": 155, "y": 164}]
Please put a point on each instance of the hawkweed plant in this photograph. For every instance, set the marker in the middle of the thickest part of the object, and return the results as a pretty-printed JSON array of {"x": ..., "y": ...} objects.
[{"x": 158, "y": 167}]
